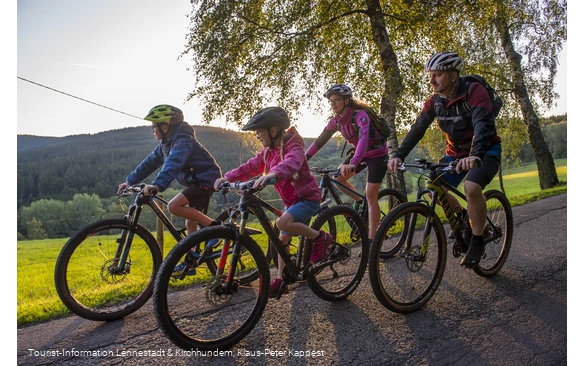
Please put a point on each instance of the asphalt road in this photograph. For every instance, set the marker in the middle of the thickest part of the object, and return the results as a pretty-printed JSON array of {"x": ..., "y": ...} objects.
[{"x": 518, "y": 317}]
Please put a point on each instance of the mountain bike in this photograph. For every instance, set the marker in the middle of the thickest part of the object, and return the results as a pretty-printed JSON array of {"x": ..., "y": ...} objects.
[
  {"x": 388, "y": 199},
  {"x": 408, "y": 279},
  {"x": 106, "y": 270},
  {"x": 222, "y": 311}
]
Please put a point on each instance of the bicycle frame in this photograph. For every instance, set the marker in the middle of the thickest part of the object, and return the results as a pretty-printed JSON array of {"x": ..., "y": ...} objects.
[
  {"x": 248, "y": 200},
  {"x": 327, "y": 182},
  {"x": 435, "y": 189}
]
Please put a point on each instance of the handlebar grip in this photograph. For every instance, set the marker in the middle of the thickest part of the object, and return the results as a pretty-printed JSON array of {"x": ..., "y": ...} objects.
[{"x": 478, "y": 162}]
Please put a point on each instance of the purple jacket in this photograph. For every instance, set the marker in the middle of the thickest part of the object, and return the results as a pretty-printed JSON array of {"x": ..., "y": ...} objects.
[
  {"x": 295, "y": 182},
  {"x": 363, "y": 140}
]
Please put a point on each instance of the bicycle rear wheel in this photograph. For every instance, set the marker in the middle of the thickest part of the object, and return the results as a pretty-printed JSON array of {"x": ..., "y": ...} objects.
[
  {"x": 497, "y": 234},
  {"x": 389, "y": 199},
  {"x": 93, "y": 284},
  {"x": 203, "y": 314},
  {"x": 407, "y": 281},
  {"x": 336, "y": 278}
]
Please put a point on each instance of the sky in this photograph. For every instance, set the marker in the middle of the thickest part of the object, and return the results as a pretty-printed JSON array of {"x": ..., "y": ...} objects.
[{"x": 119, "y": 55}]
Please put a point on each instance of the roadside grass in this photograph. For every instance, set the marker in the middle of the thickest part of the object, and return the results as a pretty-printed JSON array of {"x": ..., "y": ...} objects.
[{"x": 37, "y": 299}]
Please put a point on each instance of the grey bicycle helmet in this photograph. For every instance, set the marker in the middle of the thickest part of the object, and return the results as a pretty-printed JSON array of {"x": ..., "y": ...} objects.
[
  {"x": 268, "y": 117},
  {"x": 445, "y": 61},
  {"x": 340, "y": 89}
]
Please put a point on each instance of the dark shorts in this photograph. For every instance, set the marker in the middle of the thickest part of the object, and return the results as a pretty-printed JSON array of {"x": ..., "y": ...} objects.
[
  {"x": 198, "y": 197},
  {"x": 482, "y": 175},
  {"x": 377, "y": 168}
]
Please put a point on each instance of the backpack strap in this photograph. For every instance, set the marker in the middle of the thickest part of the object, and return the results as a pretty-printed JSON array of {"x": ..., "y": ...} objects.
[{"x": 381, "y": 141}]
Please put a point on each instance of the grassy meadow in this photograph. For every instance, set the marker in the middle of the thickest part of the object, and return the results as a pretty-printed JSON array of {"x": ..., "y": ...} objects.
[{"x": 37, "y": 299}]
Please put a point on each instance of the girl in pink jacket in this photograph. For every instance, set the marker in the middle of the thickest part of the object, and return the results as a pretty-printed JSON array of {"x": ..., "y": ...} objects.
[{"x": 283, "y": 159}]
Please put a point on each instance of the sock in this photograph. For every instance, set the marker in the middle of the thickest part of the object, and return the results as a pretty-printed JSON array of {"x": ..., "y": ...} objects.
[
  {"x": 319, "y": 236},
  {"x": 477, "y": 238}
]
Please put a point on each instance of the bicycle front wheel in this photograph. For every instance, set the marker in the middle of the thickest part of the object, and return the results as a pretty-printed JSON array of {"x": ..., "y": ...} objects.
[
  {"x": 407, "y": 281},
  {"x": 338, "y": 276},
  {"x": 211, "y": 313},
  {"x": 497, "y": 234},
  {"x": 92, "y": 280}
]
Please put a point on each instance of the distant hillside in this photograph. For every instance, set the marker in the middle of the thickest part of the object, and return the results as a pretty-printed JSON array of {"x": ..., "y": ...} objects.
[{"x": 59, "y": 167}]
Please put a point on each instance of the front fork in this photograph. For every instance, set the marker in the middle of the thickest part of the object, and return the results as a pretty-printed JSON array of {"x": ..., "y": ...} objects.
[{"x": 120, "y": 261}]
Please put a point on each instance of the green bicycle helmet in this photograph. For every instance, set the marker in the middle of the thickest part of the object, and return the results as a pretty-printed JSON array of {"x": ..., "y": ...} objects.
[
  {"x": 164, "y": 113},
  {"x": 268, "y": 117}
]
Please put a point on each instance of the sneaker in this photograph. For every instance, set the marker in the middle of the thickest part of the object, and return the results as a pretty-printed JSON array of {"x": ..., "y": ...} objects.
[
  {"x": 474, "y": 253},
  {"x": 321, "y": 247},
  {"x": 275, "y": 287},
  {"x": 213, "y": 243},
  {"x": 183, "y": 269}
]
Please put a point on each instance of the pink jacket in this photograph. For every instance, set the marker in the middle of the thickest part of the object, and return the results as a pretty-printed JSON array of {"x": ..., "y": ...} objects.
[
  {"x": 295, "y": 182},
  {"x": 364, "y": 140}
]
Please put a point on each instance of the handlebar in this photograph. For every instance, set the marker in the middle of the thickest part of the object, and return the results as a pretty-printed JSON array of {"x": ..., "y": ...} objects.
[
  {"x": 244, "y": 186},
  {"x": 426, "y": 165},
  {"x": 136, "y": 188},
  {"x": 336, "y": 171}
]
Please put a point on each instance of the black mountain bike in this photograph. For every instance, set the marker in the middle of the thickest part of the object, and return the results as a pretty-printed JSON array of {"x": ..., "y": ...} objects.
[
  {"x": 221, "y": 311},
  {"x": 407, "y": 279},
  {"x": 106, "y": 270},
  {"x": 388, "y": 199}
]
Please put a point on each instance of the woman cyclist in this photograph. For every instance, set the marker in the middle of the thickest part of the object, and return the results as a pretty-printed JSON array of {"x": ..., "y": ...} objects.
[{"x": 354, "y": 124}]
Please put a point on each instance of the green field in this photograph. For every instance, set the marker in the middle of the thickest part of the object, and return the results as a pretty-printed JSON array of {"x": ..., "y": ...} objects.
[{"x": 37, "y": 299}]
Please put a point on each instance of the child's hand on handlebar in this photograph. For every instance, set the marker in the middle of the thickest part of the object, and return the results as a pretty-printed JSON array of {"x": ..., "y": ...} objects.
[
  {"x": 265, "y": 179},
  {"x": 347, "y": 169},
  {"x": 150, "y": 190},
  {"x": 122, "y": 187},
  {"x": 394, "y": 164},
  {"x": 218, "y": 183}
]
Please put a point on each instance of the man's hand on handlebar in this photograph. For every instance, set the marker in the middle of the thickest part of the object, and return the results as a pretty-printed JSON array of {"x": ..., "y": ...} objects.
[{"x": 467, "y": 163}]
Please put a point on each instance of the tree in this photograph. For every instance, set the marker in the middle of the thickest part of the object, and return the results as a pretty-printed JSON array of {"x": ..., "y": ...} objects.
[
  {"x": 250, "y": 53},
  {"x": 35, "y": 230},
  {"x": 540, "y": 27}
]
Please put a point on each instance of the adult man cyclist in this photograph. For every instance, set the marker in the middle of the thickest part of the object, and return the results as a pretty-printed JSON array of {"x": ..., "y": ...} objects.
[{"x": 464, "y": 111}]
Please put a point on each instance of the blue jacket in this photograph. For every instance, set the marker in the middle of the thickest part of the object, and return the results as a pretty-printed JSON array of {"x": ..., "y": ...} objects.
[{"x": 182, "y": 157}]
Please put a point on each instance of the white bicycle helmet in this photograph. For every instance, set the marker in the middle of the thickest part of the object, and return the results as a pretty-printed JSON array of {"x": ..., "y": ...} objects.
[
  {"x": 445, "y": 61},
  {"x": 340, "y": 89}
]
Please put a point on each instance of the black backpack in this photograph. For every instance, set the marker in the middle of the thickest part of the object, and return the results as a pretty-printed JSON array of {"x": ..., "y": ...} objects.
[
  {"x": 379, "y": 122},
  {"x": 495, "y": 98}
]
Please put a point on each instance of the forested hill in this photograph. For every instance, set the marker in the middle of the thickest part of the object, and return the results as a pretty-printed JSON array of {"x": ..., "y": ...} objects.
[{"x": 59, "y": 167}]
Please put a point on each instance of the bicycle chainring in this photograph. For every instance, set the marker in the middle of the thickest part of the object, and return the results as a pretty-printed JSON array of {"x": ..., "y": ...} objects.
[{"x": 288, "y": 277}]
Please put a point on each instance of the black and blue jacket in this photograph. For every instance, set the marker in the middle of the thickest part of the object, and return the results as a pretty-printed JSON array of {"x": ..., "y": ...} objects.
[{"x": 182, "y": 157}]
